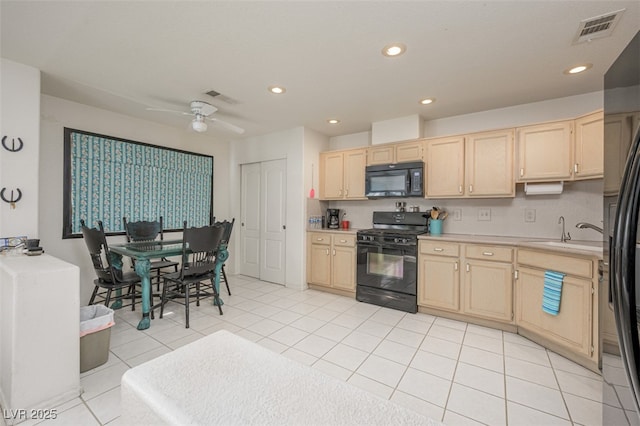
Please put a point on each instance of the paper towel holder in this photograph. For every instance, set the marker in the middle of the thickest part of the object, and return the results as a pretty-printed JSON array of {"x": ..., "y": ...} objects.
[{"x": 543, "y": 188}]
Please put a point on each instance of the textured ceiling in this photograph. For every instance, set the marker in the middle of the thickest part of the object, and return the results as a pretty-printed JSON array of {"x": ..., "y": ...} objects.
[{"x": 126, "y": 56}]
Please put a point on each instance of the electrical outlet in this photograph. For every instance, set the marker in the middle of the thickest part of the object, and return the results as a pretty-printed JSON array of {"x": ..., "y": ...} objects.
[
  {"x": 457, "y": 214},
  {"x": 484, "y": 215},
  {"x": 529, "y": 215}
]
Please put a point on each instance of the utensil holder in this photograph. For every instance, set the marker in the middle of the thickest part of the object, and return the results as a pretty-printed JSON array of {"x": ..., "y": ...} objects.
[{"x": 435, "y": 227}]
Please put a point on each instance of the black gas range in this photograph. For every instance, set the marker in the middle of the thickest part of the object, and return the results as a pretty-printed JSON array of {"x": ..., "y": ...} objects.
[{"x": 387, "y": 271}]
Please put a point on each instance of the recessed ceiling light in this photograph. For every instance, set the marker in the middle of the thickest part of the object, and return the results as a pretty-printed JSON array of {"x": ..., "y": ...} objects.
[
  {"x": 578, "y": 69},
  {"x": 394, "y": 49},
  {"x": 278, "y": 90},
  {"x": 427, "y": 101},
  {"x": 333, "y": 121}
]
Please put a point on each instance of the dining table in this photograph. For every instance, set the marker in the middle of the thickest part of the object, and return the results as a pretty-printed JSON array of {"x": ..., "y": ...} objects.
[{"x": 143, "y": 252}]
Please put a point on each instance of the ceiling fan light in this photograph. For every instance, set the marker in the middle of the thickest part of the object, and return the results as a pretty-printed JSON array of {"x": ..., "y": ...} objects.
[{"x": 199, "y": 125}]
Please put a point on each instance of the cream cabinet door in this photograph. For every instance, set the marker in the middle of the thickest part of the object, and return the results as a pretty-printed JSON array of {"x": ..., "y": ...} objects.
[
  {"x": 617, "y": 139},
  {"x": 445, "y": 167},
  {"x": 384, "y": 154},
  {"x": 319, "y": 264},
  {"x": 572, "y": 327},
  {"x": 589, "y": 148},
  {"x": 489, "y": 164},
  {"x": 439, "y": 283},
  {"x": 545, "y": 152},
  {"x": 331, "y": 175},
  {"x": 344, "y": 267},
  {"x": 488, "y": 290},
  {"x": 409, "y": 151},
  {"x": 354, "y": 163}
]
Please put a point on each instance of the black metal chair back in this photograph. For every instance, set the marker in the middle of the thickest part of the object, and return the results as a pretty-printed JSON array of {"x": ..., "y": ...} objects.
[
  {"x": 199, "y": 247},
  {"x": 96, "y": 242},
  {"x": 143, "y": 230}
]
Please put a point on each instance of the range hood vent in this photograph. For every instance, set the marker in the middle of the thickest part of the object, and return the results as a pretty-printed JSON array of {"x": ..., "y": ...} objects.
[{"x": 597, "y": 27}]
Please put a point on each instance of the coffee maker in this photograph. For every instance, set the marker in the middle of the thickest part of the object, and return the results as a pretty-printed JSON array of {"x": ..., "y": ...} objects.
[{"x": 333, "y": 218}]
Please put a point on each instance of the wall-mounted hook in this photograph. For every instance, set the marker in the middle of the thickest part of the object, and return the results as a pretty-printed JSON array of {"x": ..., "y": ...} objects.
[
  {"x": 11, "y": 200},
  {"x": 13, "y": 144}
]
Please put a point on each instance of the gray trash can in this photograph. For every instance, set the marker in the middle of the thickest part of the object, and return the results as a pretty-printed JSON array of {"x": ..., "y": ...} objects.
[{"x": 95, "y": 335}]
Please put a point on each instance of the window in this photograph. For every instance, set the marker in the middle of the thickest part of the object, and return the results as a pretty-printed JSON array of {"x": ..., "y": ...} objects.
[{"x": 106, "y": 178}]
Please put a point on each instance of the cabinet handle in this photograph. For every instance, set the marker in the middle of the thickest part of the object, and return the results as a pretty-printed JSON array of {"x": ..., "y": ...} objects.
[
  {"x": 467, "y": 267},
  {"x": 438, "y": 249},
  {"x": 319, "y": 239},
  {"x": 340, "y": 192},
  {"x": 575, "y": 168},
  {"x": 346, "y": 192},
  {"x": 334, "y": 252},
  {"x": 521, "y": 172},
  {"x": 455, "y": 266},
  {"x": 343, "y": 241},
  {"x": 487, "y": 253},
  {"x": 460, "y": 189},
  {"x": 470, "y": 188}
]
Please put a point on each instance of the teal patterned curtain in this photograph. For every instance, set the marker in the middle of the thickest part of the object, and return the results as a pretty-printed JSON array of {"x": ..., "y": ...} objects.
[{"x": 111, "y": 178}]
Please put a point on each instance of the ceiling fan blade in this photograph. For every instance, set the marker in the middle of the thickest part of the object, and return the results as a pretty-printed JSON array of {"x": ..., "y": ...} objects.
[
  {"x": 169, "y": 110},
  {"x": 229, "y": 126}
]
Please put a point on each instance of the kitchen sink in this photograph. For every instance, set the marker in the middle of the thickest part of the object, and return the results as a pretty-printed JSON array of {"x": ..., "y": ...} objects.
[{"x": 596, "y": 248}]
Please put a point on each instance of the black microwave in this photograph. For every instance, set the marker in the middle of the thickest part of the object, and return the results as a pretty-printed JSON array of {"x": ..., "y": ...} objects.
[{"x": 395, "y": 180}]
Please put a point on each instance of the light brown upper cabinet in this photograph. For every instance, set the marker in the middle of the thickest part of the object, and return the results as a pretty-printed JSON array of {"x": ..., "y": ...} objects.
[
  {"x": 545, "y": 152},
  {"x": 618, "y": 130},
  {"x": 563, "y": 150},
  {"x": 589, "y": 151},
  {"x": 342, "y": 174},
  {"x": 396, "y": 153},
  {"x": 475, "y": 165}
]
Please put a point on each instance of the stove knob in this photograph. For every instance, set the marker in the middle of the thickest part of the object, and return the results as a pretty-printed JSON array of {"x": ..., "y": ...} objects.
[{"x": 396, "y": 240}]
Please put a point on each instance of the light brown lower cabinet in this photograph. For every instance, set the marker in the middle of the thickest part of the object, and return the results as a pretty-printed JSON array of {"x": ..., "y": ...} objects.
[
  {"x": 331, "y": 260},
  {"x": 439, "y": 275},
  {"x": 574, "y": 328},
  {"x": 485, "y": 289},
  {"x": 488, "y": 282}
]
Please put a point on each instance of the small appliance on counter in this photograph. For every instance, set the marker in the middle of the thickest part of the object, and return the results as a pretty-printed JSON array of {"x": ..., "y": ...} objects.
[{"x": 333, "y": 218}]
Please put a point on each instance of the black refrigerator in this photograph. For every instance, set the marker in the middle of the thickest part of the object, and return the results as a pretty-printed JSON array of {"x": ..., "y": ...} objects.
[{"x": 621, "y": 211}]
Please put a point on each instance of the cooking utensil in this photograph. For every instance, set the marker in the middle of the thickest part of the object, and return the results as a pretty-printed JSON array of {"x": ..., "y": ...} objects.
[
  {"x": 443, "y": 215},
  {"x": 434, "y": 213},
  {"x": 312, "y": 192}
]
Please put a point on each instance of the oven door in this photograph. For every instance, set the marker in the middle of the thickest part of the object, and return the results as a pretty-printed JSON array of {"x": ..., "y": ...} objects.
[{"x": 385, "y": 267}]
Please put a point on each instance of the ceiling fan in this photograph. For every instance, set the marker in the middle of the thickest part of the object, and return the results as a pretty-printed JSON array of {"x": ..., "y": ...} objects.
[{"x": 201, "y": 112}]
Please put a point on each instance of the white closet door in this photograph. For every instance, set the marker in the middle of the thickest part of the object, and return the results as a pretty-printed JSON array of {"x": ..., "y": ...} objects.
[{"x": 263, "y": 224}]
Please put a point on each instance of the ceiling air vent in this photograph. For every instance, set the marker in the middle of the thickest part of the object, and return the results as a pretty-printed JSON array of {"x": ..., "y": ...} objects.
[
  {"x": 221, "y": 97},
  {"x": 597, "y": 27}
]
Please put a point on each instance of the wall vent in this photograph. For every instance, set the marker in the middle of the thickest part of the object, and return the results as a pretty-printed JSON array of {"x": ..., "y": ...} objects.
[
  {"x": 597, "y": 27},
  {"x": 221, "y": 97}
]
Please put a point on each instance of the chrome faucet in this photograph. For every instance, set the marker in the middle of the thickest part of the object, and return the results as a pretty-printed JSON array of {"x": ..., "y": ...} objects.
[
  {"x": 583, "y": 225},
  {"x": 564, "y": 237}
]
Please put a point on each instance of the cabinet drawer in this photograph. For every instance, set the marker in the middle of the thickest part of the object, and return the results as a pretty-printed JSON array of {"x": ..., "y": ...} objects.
[
  {"x": 439, "y": 248},
  {"x": 495, "y": 253},
  {"x": 344, "y": 240},
  {"x": 320, "y": 238},
  {"x": 560, "y": 263}
]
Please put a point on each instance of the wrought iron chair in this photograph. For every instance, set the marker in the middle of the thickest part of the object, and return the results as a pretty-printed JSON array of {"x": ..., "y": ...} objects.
[
  {"x": 110, "y": 277},
  {"x": 199, "y": 247},
  {"x": 228, "y": 227},
  {"x": 149, "y": 231}
]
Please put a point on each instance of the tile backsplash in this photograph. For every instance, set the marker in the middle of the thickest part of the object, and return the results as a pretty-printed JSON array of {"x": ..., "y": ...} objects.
[{"x": 521, "y": 216}]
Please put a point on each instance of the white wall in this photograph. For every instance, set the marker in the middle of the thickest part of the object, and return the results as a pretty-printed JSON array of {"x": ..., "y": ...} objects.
[
  {"x": 20, "y": 118},
  {"x": 58, "y": 114},
  {"x": 580, "y": 201},
  {"x": 537, "y": 112}
]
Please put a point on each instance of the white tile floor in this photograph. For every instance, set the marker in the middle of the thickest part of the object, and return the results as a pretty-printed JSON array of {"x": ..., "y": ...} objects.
[{"x": 454, "y": 372}]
